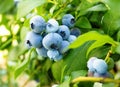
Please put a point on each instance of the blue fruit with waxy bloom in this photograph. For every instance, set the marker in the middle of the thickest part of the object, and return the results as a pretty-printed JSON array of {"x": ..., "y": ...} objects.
[
  {"x": 90, "y": 64},
  {"x": 33, "y": 40},
  {"x": 72, "y": 38},
  {"x": 52, "y": 54},
  {"x": 100, "y": 66},
  {"x": 68, "y": 20},
  {"x": 37, "y": 24},
  {"x": 64, "y": 31},
  {"x": 64, "y": 47},
  {"x": 52, "y": 41},
  {"x": 52, "y": 26},
  {"x": 42, "y": 51}
]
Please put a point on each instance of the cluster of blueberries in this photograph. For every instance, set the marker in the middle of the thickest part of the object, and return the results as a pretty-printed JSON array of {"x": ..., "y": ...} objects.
[
  {"x": 97, "y": 67},
  {"x": 49, "y": 38}
]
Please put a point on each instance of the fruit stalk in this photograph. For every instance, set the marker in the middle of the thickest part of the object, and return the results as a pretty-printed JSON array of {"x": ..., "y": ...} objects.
[
  {"x": 108, "y": 56},
  {"x": 94, "y": 79}
]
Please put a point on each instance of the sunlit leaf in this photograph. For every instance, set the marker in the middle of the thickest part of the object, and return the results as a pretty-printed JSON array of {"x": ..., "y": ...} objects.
[
  {"x": 99, "y": 7},
  {"x": 6, "y": 5},
  {"x": 25, "y": 6},
  {"x": 100, "y": 40}
]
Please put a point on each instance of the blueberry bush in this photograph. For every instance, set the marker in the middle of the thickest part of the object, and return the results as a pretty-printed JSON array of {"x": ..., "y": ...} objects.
[{"x": 60, "y": 43}]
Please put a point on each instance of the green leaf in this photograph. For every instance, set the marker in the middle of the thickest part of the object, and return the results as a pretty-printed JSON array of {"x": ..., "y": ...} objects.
[
  {"x": 57, "y": 70},
  {"x": 6, "y": 5},
  {"x": 23, "y": 32},
  {"x": 22, "y": 66},
  {"x": 25, "y": 6},
  {"x": 117, "y": 49},
  {"x": 110, "y": 23},
  {"x": 114, "y": 6},
  {"x": 65, "y": 83},
  {"x": 99, "y": 52},
  {"x": 118, "y": 36},
  {"x": 76, "y": 74},
  {"x": 108, "y": 85},
  {"x": 83, "y": 22},
  {"x": 76, "y": 60},
  {"x": 99, "y": 7},
  {"x": 100, "y": 40}
]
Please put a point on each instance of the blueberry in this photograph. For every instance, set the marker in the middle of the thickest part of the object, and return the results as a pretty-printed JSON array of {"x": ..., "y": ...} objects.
[
  {"x": 64, "y": 46},
  {"x": 75, "y": 31},
  {"x": 64, "y": 31},
  {"x": 52, "y": 54},
  {"x": 52, "y": 26},
  {"x": 42, "y": 51},
  {"x": 72, "y": 38},
  {"x": 52, "y": 41},
  {"x": 37, "y": 23},
  {"x": 68, "y": 20},
  {"x": 90, "y": 64},
  {"x": 105, "y": 75},
  {"x": 100, "y": 66},
  {"x": 59, "y": 57},
  {"x": 33, "y": 39}
]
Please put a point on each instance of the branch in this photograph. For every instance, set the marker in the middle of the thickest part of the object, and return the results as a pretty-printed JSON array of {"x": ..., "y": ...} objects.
[{"x": 94, "y": 79}]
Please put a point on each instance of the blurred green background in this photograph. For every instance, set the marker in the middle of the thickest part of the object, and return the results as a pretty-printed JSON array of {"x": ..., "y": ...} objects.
[{"x": 98, "y": 15}]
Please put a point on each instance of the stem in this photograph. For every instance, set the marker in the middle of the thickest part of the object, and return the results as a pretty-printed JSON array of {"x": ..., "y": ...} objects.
[
  {"x": 61, "y": 9},
  {"x": 94, "y": 79},
  {"x": 108, "y": 56}
]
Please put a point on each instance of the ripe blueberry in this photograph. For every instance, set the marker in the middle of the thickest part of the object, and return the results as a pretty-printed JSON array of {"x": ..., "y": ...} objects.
[
  {"x": 37, "y": 23},
  {"x": 52, "y": 41},
  {"x": 105, "y": 75},
  {"x": 64, "y": 31},
  {"x": 75, "y": 31},
  {"x": 42, "y": 51},
  {"x": 64, "y": 46},
  {"x": 90, "y": 64},
  {"x": 100, "y": 66},
  {"x": 52, "y": 54},
  {"x": 72, "y": 38},
  {"x": 52, "y": 26},
  {"x": 68, "y": 20},
  {"x": 57, "y": 58},
  {"x": 33, "y": 39}
]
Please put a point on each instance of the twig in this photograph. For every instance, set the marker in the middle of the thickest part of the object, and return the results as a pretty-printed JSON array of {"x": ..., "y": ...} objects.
[
  {"x": 94, "y": 79},
  {"x": 108, "y": 56}
]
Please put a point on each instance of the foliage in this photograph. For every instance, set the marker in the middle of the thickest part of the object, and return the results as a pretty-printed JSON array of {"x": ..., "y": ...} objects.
[{"x": 98, "y": 21}]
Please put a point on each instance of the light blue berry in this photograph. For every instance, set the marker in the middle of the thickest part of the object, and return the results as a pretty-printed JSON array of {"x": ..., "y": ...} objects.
[
  {"x": 52, "y": 54},
  {"x": 52, "y": 26},
  {"x": 72, "y": 38},
  {"x": 33, "y": 39},
  {"x": 75, "y": 31},
  {"x": 90, "y": 64},
  {"x": 68, "y": 20},
  {"x": 100, "y": 66},
  {"x": 64, "y": 31},
  {"x": 105, "y": 75},
  {"x": 64, "y": 46},
  {"x": 52, "y": 41},
  {"x": 37, "y": 23},
  {"x": 41, "y": 51},
  {"x": 59, "y": 57}
]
